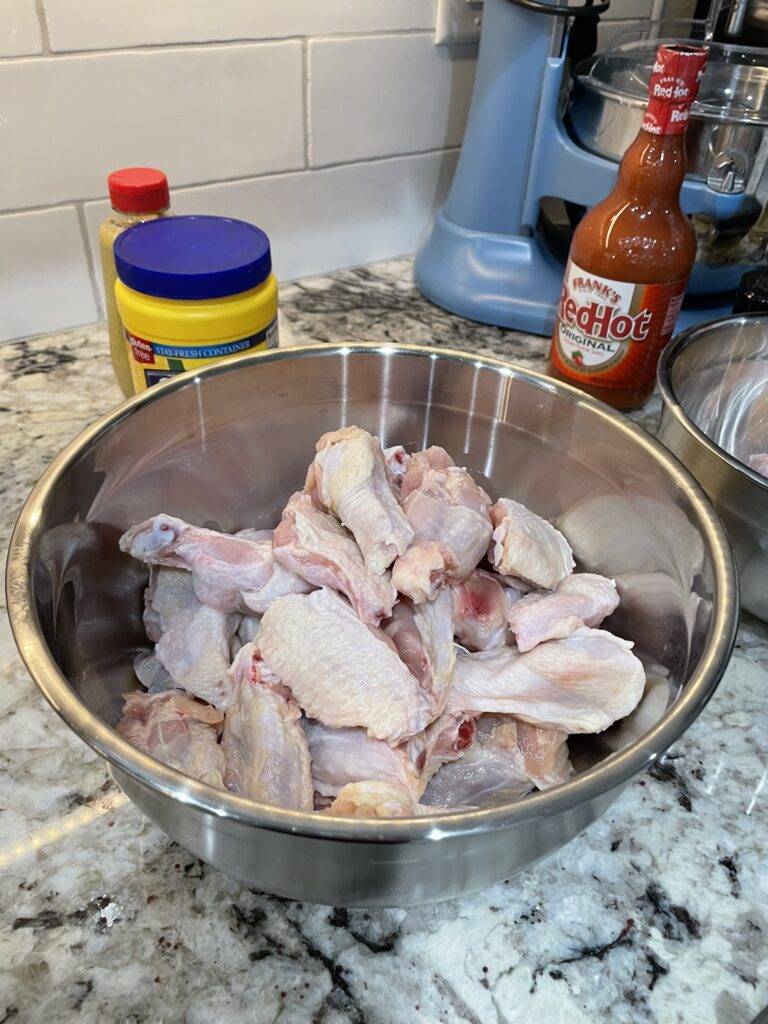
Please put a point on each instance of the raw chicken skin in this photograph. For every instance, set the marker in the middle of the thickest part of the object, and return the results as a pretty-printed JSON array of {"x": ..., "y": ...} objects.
[
  {"x": 582, "y": 599},
  {"x": 194, "y": 640},
  {"x": 353, "y": 481},
  {"x": 314, "y": 545},
  {"x": 342, "y": 756},
  {"x": 581, "y": 684},
  {"x": 373, "y": 799},
  {"x": 149, "y": 670},
  {"x": 507, "y": 757},
  {"x": 423, "y": 636},
  {"x": 443, "y": 740},
  {"x": 231, "y": 574},
  {"x": 248, "y": 630},
  {"x": 759, "y": 462},
  {"x": 449, "y": 516},
  {"x": 419, "y": 464},
  {"x": 174, "y": 729},
  {"x": 480, "y": 608},
  {"x": 341, "y": 671},
  {"x": 265, "y": 749},
  {"x": 397, "y": 459},
  {"x": 527, "y": 546}
]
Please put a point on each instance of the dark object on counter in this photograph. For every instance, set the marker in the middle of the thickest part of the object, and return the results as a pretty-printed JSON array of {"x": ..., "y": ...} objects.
[{"x": 752, "y": 296}]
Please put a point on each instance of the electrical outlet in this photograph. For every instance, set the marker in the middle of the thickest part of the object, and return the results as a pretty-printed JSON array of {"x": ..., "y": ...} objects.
[{"x": 458, "y": 21}]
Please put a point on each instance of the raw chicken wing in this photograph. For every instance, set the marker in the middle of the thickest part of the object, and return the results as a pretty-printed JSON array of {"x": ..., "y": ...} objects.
[
  {"x": 443, "y": 740},
  {"x": 423, "y": 636},
  {"x": 420, "y": 463},
  {"x": 583, "y": 683},
  {"x": 397, "y": 459},
  {"x": 231, "y": 574},
  {"x": 506, "y": 758},
  {"x": 374, "y": 799},
  {"x": 176, "y": 730},
  {"x": 342, "y": 756},
  {"x": 480, "y": 608},
  {"x": 266, "y": 752},
  {"x": 193, "y": 645},
  {"x": 582, "y": 599},
  {"x": 449, "y": 516},
  {"x": 315, "y": 546},
  {"x": 527, "y": 546},
  {"x": 352, "y": 480},
  {"x": 341, "y": 671}
]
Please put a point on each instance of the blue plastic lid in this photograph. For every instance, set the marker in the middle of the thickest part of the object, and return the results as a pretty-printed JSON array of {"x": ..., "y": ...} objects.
[{"x": 193, "y": 257}]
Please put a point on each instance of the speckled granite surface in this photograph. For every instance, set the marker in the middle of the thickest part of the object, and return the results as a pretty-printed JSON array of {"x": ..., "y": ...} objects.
[{"x": 656, "y": 914}]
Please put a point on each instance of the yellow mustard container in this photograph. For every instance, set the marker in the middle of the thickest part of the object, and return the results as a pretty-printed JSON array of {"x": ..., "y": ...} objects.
[{"x": 193, "y": 291}]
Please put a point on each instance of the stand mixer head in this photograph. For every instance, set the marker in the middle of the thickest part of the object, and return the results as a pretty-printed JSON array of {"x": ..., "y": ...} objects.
[{"x": 532, "y": 137}]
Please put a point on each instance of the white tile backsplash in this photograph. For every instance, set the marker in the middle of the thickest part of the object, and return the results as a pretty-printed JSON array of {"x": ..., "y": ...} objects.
[
  {"x": 89, "y": 25},
  {"x": 321, "y": 219},
  {"x": 200, "y": 113},
  {"x": 44, "y": 281},
  {"x": 397, "y": 94},
  {"x": 19, "y": 28},
  {"x": 333, "y": 123}
]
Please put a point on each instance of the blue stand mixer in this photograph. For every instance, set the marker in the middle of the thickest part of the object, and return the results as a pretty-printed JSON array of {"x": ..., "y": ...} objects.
[{"x": 486, "y": 257}]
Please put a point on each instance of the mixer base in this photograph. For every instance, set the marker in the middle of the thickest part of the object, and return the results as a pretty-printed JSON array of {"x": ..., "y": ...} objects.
[{"x": 506, "y": 280}]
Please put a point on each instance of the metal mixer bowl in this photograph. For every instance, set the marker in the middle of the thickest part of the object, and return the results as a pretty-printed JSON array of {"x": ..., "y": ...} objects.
[
  {"x": 714, "y": 386},
  {"x": 227, "y": 446},
  {"x": 728, "y": 119}
]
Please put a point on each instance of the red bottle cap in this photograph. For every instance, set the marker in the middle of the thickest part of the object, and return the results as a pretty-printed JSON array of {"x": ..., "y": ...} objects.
[
  {"x": 138, "y": 190},
  {"x": 674, "y": 85}
]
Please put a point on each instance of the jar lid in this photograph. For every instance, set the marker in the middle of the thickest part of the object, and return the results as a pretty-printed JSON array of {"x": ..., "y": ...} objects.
[
  {"x": 193, "y": 257},
  {"x": 138, "y": 190}
]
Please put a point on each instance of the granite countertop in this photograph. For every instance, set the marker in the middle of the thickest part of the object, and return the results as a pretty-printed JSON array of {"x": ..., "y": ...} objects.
[{"x": 658, "y": 913}]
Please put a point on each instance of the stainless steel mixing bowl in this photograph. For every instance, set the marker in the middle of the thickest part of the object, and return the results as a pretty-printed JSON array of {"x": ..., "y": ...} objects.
[
  {"x": 227, "y": 447},
  {"x": 714, "y": 386}
]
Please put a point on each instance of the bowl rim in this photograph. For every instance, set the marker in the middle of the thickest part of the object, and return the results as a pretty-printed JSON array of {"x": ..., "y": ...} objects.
[
  {"x": 686, "y": 339},
  {"x": 608, "y": 774}
]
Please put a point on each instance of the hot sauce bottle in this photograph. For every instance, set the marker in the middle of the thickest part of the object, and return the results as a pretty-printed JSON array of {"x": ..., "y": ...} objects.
[{"x": 632, "y": 254}]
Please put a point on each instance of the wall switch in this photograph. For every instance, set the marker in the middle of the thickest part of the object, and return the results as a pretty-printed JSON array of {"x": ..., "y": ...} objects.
[{"x": 458, "y": 21}]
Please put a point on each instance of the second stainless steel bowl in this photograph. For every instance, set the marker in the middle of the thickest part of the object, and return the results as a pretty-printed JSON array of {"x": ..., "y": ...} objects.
[
  {"x": 227, "y": 447},
  {"x": 714, "y": 386}
]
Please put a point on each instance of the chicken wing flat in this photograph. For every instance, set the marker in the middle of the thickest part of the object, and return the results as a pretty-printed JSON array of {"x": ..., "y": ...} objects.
[
  {"x": 527, "y": 546},
  {"x": 265, "y": 749},
  {"x": 341, "y": 671}
]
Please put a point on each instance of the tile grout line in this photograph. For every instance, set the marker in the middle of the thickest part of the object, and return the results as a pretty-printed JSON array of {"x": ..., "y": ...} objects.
[
  {"x": 44, "y": 33},
  {"x": 361, "y": 162},
  {"x": 80, "y": 208},
  {"x": 305, "y": 94},
  {"x": 106, "y": 51}
]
